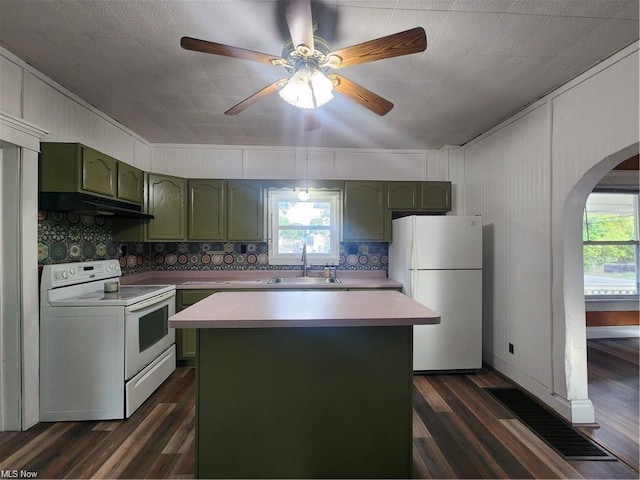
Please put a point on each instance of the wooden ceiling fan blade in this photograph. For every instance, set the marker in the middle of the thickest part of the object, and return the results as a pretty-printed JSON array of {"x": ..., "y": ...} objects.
[
  {"x": 214, "y": 48},
  {"x": 360, "y": 95},
  {"x": 300, "y": 23},
  {"x": 247, "y": 102},
  {"x": 396, "y": 45}
]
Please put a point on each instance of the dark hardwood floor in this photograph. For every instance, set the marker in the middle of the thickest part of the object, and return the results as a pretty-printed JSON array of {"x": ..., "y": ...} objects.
[
  {"x": 614, "y": 391},
  {"x": 460, "y": 431}
]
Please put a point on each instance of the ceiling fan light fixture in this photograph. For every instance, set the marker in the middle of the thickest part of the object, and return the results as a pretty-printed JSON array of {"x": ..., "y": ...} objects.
[{"x": 307, "y": 88}]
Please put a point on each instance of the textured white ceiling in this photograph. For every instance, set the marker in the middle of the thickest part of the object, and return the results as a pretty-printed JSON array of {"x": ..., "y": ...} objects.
[{"x": 485, "y": 60}]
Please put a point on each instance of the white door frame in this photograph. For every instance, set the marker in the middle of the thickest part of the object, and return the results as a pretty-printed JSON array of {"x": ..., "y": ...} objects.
[{"x": 19, "y": 302}]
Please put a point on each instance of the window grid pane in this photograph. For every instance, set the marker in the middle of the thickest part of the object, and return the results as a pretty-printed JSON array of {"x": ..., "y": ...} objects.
[
  {"x": 295, "y": 223},
  {"x": 610, "y": 248}
]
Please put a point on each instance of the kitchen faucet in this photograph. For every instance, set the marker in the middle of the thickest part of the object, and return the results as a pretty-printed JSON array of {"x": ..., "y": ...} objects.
[{"x": 304, "y": 259}]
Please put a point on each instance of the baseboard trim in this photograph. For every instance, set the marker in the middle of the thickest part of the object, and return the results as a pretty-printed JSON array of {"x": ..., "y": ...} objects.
[{"x": 625, "y": 331}]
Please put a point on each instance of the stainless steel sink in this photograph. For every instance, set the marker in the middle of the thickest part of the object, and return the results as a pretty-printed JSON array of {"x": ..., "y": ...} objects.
[{"x": 303, "y": 280}]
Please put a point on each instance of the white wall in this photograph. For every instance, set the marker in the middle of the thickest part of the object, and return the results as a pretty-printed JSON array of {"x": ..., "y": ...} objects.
[
  {"x": 29, "y": 95},
  {"x": 508, "y": 182},
  {"x": 210, "y": 161},
  {"x": 529, "y": 178}
]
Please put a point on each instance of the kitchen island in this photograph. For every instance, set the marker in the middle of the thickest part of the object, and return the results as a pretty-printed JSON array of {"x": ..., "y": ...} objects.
[{"x": 304, "y": 384}]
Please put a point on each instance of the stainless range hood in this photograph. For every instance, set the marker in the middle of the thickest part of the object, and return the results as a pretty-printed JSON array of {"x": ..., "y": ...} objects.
[{"x": 90, "y": 205}]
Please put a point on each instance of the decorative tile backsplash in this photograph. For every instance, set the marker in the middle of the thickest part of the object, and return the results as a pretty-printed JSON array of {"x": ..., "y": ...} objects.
[
  {"x": 64, "y": 238},
  {"x": 70, "y": 237}
]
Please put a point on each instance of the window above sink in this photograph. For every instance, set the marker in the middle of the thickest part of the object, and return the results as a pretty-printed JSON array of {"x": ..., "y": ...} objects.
[{"x": 293, "y": 223}]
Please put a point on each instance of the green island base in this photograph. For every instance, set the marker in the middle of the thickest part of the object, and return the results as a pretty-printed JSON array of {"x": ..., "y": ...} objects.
[{"x": 325, "y": 402}]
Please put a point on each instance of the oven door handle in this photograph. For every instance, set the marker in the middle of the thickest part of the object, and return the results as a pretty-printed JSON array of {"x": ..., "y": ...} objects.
[{"x": 149, "y": 302}]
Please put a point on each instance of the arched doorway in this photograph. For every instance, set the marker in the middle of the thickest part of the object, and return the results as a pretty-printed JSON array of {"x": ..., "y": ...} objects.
[{"x": 574, "y": 335}]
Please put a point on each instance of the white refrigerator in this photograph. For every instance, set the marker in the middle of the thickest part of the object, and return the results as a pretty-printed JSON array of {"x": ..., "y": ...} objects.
[{"x": 438, "y": 260}]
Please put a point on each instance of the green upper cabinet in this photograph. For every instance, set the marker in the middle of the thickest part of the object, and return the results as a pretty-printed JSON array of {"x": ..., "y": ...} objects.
[
  {"x": 73, "y": 167},
  {"x": 245, "y": 214},
  {"x": 98, "y": 172},
  {"x": 436, "y": 196},
  {"x": 166, "y": 202},
  {"x": 130, "y": 183},
  {"x": 403, "y": 195},
  {"x": 366, "y": 217},
  {"x": 207, "y": 209},
  {"x": 419, "y": 196}
]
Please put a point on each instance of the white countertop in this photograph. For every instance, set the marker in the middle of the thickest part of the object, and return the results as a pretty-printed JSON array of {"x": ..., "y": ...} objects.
[{"x": 269, "y": 309}]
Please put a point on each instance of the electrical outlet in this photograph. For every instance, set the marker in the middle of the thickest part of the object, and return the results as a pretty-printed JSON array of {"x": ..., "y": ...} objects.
[
  {"x": 364, "y": 249},
  {"x": 243, "y": 248},
  {"x": 511, "y": 348}
]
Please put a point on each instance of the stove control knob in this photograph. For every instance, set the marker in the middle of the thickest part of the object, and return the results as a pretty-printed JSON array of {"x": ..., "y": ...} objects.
[
  {"x": 72, "y": 271},
  {"x": 65, "y": 274}
]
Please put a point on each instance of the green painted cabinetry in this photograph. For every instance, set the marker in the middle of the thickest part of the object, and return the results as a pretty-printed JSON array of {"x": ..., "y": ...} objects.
[
  {"x": 73, "y": 167},
  {"x": 98, "y": 173},
  {"x": 186, "y": 337},
  {"x": 130, "y": 183},
  {"x": 298, "y": 402},
  {"x": 403, "y": 195},
  {"x": 245, "y": 214},
  {"x": 207, "y": 209},
  {"x": 435, "y": 196},
  {"x": 427, "y": 196},
  {"x": 366, "y": 217},
  {"x": 166, "y": 202},
  {"x": 233, "y": 210}
]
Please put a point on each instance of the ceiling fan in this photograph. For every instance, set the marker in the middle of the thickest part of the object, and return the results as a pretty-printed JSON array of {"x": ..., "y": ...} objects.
[{"x": 308, "y": 58}]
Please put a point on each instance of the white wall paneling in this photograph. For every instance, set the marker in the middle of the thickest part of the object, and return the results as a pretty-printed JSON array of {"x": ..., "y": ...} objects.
[
  {"x": 529, "y": 178},
  {"x": 208, "y": 161},
  {"x": 11, "y": 81},
  {"x": 380, "y": 165},
  {"x": 266, "y": 163},
  {"x": 197, "y": 161},
  {"x": 33, "y": 97},
  {"x": 322, "y": 165},
  {"x": 438, "y": 165},
  {"x": 456, "y": 176},
  {"x": 508, "y": 182}
]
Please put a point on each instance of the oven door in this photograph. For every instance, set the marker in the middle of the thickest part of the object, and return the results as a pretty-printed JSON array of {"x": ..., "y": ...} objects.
[{"x": 147, "y": 332}]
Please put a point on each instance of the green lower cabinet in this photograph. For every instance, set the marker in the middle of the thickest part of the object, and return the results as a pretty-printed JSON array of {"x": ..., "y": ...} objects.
[
  {"x": 186, "y": 346},
  {"x": 186, "y": 337},
  {"x": 304, "y": 402}
]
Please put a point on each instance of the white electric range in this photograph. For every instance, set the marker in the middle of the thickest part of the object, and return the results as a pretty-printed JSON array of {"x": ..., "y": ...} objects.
[{"x": 102, "y": 354}]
